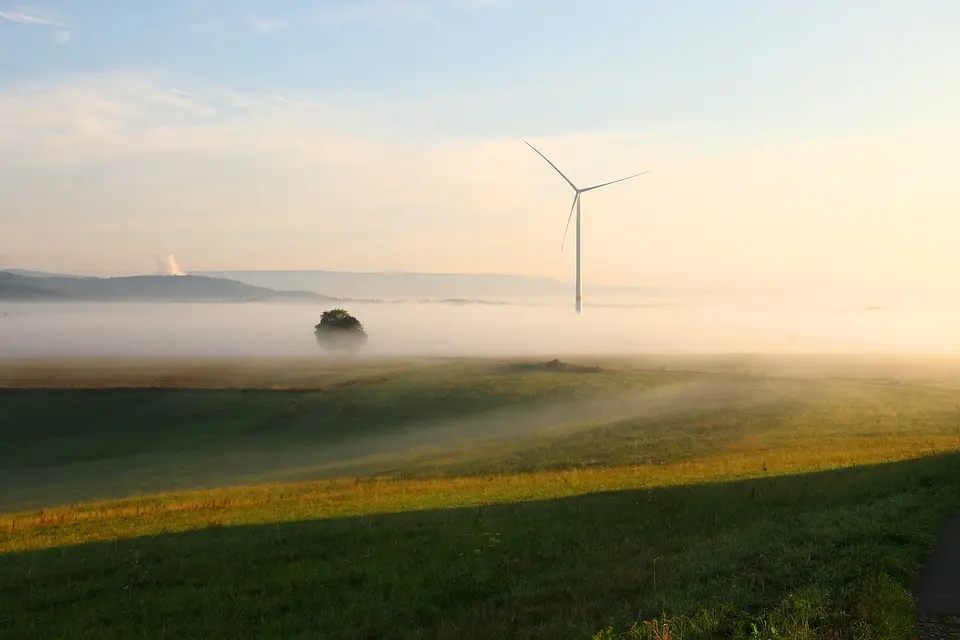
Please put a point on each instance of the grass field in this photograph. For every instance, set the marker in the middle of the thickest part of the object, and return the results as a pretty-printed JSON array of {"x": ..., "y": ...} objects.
[{"x": 472, "y": 499}]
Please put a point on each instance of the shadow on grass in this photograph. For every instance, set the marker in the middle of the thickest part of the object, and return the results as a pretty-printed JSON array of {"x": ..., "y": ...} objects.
[
  {"x": 835, "y": 550},
  {"x": 41, "y": 426},
  {"x": 61, "y": 446},
  {"x": 42, "y": 431}
]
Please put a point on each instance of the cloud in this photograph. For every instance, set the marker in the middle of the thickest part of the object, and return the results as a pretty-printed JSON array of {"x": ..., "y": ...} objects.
[
  {"x": 382, "y": 11},
  {"x": 265, "y": 26},
  {"x": 101, "y": 117},
  {"x": 248, "y": 172},
  {"x": 392, "y": 11},
  {"x": 485, "y": 4},
  {"x": 181, "y": 152},
  {"x": 24, "y": 16},
  {"x": 35, "y": 17}
]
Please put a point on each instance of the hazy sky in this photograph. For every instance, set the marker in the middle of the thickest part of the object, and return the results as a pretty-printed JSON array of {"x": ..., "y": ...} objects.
[{"x": 790, "y": 142}]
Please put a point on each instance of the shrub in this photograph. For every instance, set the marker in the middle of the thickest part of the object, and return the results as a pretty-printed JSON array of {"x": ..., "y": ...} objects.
[{"x": 340, "y": 331}]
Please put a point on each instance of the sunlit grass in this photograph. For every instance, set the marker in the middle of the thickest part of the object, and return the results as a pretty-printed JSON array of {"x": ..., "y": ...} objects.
[{"x": 340, "y": 498}]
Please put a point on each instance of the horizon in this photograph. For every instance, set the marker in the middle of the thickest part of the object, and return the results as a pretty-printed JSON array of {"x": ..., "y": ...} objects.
[
  {"x": 387, "y": 272},
  {"x": 855, "y": 297}
]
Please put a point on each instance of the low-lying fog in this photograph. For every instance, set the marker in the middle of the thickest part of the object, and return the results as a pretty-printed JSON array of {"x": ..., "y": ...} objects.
[{"x": 647, "y": 326}]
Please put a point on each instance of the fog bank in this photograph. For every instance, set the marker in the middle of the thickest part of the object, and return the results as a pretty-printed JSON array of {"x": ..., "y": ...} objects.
[{"x": 701, "y": 326}]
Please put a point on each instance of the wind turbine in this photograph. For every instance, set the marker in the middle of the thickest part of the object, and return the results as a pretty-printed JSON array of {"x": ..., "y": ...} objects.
[{"x": 576, "y": 205}]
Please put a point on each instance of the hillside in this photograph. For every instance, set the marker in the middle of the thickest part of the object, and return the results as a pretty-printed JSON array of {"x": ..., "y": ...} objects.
[
  {"x": 452, "y": 288},
  {"x": 140, "y": 288},
  {"x": 465, "y": 499},
  {"x": 40, "y": 274}
]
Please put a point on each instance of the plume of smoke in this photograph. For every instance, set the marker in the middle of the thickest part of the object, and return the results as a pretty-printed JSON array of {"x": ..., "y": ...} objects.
[{"x": 168, "y": 266}]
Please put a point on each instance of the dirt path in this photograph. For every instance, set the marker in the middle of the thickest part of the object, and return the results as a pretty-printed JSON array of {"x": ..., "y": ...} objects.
[{"x": 938, "y": 589}]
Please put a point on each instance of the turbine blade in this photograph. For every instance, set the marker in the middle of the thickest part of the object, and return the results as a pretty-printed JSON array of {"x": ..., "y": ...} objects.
[
  {"x": 569, "y": 218},
  {"x": 597, "y": 186},
  {"x": 552, "y": 165}
]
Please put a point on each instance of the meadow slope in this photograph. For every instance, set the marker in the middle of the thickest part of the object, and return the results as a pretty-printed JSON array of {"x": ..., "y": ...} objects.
[{"x": 490, "y": 499}]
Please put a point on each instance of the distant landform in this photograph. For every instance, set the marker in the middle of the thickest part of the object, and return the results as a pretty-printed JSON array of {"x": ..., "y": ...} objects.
[
  {"x": 40, "y": 287},
  {"x": 420, "y": 287},
  {"x": 305, "y": 286},
  {"x": 39, "y": 274}
]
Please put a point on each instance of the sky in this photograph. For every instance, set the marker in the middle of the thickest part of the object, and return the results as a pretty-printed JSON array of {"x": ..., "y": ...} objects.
[{"x": 790, "y": 144}]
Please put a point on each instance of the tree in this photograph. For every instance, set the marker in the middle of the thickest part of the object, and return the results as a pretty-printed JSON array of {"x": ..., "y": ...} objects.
[{"x": 340, "y": 331}]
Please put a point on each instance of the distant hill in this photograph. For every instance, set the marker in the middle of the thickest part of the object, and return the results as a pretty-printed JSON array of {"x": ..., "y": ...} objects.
[
  {"x": 421, "y": 286},
  {"x": 39, "y": 274},
  {"x": 141, "y": 288},
  {"x": 344, "y": 286}
]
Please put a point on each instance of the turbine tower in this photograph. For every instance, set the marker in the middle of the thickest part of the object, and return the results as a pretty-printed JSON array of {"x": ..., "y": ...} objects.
[{"x": 576, "y": 205}]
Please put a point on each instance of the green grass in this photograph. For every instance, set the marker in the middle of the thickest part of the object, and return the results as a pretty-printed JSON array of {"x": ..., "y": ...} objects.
[
  {"x": 830, "y": 550},
  {"x": 125, "y": 431},
  {"x": 712, "y": 506}
]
